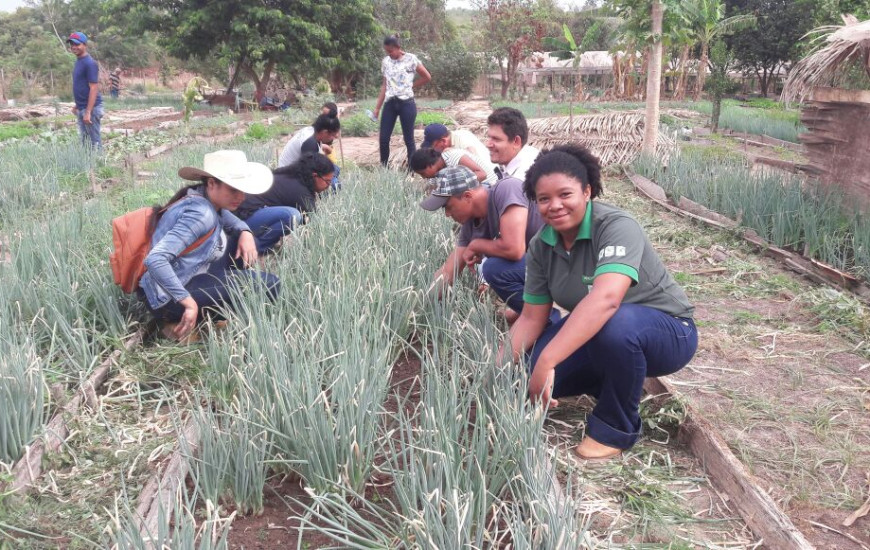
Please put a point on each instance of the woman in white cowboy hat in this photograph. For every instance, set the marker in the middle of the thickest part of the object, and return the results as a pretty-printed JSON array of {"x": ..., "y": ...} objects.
[{"x": 198, "y": 244}]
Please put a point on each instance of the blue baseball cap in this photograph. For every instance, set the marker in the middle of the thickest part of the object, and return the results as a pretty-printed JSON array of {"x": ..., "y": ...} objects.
[
  {"x": 77, "y": 38},
  {"x": 432, "y": 133}
]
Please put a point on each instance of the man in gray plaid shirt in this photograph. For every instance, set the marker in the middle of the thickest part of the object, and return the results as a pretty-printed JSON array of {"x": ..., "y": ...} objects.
[{"x": 497, "y": 224}]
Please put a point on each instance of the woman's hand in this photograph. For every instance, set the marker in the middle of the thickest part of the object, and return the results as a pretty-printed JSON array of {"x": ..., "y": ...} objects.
[
  {"x": 541, "y": 384},
  {"x": 188, "y": 318},
  {"x": 247, "y": 249}
]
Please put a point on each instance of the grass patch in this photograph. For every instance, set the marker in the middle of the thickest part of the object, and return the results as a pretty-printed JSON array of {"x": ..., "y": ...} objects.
[
  {"x": 543, "y": 109},
  {"x": 19, "y": 130}
]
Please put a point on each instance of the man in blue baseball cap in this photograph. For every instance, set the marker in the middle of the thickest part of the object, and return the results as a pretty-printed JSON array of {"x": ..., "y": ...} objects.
[{"x": 86, "y": 91}]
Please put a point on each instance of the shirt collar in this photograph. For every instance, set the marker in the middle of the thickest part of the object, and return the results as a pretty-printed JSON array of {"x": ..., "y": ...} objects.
[
  {"x": 549, "y": 235},
  {"x": 524, "y": 155}
]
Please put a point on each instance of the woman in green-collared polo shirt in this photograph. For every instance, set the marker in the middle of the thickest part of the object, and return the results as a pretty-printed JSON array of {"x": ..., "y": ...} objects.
[{"x": 628, "y": 319}]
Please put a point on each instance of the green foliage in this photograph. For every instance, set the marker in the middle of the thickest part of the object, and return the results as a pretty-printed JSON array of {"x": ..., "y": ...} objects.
[
  {"x": 719, "y": 84},
  {"x": 454, "y": 70},
  {"x": 256, "y": 131},
  {"x": 432, "y": 117},
  {"x": 18, "y": 130},
  {"x": 774, "y": 39},
  {"x": 358, "y": 125}
]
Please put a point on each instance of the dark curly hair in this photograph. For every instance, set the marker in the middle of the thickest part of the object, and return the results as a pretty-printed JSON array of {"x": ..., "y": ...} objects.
[
  {"x": 308, "y": 164},
  {"x": 572, "y": 160}
]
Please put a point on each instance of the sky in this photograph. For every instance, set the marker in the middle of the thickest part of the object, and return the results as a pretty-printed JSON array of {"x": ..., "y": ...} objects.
[{"x": 10, "y": 5}]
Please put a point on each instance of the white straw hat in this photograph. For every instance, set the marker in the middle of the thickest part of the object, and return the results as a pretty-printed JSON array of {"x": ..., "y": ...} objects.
[{"x": 232, "y": 167}]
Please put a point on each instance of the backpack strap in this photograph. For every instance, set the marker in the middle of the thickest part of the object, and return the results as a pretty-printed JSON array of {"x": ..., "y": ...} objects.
[{"x": 196, "y": 243}]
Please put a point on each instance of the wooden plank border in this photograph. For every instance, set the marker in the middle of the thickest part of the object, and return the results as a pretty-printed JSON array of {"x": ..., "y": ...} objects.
[
  {"x": 27, "y": 470},
  {"x": 728, "y": 474}
]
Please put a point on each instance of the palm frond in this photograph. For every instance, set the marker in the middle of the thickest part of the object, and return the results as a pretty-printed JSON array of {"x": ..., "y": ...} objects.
[{"x": 827, "y": 65}]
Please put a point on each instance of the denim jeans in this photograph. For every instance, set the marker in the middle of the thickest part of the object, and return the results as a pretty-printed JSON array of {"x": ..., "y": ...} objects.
[
  {"x": 638, "y": 341},
  {"x": 507, "y": 278},
  {"x": 270, "y": 223},
  {"x": 406, "y": 112},
  {"x": 90, "y": 133},
  {"x": 335, "y": 183},
  {"x": 214, "y": 289}
]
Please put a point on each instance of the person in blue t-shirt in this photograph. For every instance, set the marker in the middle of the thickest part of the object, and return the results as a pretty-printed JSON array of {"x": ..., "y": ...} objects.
[{"x": 86, "y": 91}]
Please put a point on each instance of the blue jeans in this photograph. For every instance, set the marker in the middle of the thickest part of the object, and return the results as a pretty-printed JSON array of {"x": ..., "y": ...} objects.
[
  {"x": 638, "y": 341},
  {"x": 90, "y": 133},
  {"x": 335, "y": 183},
  {"x": 270, "y": 223},
  {"x": 507, "y": 278},
  {"x": 406, "y": 112},
  {"x": 213, "y": 289}
]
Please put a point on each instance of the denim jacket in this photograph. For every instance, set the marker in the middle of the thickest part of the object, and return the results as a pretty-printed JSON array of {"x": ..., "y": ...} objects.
[{"x": 180, "y": 226}]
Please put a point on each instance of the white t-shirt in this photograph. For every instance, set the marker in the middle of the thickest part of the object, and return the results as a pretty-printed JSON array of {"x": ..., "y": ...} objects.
[
  {"x": 520, "y": 164},
  {"x": 293, "y": 150},
  {"x": 399, "y": 74},
  {"x": 452, "y": 156}
]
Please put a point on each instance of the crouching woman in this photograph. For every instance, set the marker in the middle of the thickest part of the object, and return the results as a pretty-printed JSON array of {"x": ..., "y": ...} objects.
[
  {"x": 628, "y": 317},
  {"x": 199, "y": 249}
]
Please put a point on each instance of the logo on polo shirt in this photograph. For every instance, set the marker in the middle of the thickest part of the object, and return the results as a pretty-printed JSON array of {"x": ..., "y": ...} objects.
[{"x": 611, "y": 252}]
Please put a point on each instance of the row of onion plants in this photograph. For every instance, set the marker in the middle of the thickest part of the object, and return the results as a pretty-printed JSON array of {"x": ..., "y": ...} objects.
[
  {"x": 300, "y": 385},
  {"x": 785, "y": 210}
]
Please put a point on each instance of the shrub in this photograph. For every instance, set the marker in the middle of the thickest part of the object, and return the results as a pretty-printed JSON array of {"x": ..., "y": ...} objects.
[
  {"x": 454, "y": 71},
  {"x": 358, "y": 125}
]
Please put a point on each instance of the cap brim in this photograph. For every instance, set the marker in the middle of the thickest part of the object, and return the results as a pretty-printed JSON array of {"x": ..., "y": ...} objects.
[
  {"x": 73, "y": 41},
  {"x": 434, "y": 202}
]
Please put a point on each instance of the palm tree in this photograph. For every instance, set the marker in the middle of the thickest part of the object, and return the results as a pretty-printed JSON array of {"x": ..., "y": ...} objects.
[
  {"x": 653, "y": 81},
  {"x": 704, "y": 19}
]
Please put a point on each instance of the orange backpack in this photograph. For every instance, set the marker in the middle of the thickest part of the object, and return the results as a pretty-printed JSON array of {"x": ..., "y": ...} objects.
[{"x": 131, "y": 236}]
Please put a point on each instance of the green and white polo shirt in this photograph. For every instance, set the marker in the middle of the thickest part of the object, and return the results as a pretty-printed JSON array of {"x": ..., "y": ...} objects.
[{"x": 609, "y": 241}]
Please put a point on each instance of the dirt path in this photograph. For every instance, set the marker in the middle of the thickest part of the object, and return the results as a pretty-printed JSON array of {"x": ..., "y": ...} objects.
[{"x": 781, "y": 371}]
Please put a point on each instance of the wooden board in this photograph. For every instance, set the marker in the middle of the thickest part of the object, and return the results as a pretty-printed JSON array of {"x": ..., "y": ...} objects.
[{"x": 729, "y": 475}]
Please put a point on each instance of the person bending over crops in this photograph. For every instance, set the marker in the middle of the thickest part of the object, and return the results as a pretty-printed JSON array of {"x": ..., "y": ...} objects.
[
  {"x": 428, "y": 162},
  {"x": 439, "y": 137},
  {"x": 628, "y": 317},
  {"x": 497, "y": 224},
  {"x": 273, "y": 214},
  {"x": 199, "y": 248}
]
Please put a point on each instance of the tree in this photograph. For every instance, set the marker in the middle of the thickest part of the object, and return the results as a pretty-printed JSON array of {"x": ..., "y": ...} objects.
[
  {"x": 512, "y": 29},
  {"x": 719, "y": 84},
  {"x": 259, "y": 37},
  {"x": 704, "y": 20},
  {"x": 775, "y": 38},
  {"x": 454, "y": 70},
  {"x": 420, "y": 23},
  {"x": 654, "y": 79}
]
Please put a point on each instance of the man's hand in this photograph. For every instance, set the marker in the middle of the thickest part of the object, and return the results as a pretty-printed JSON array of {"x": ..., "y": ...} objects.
[
  {"x": 247, "y": 249},
  {"x": 470, "y": 257},
  {"x": 86, "y": 116},
  {"x": 188, "y": 318},
  {"x": 541, "y": 384}
]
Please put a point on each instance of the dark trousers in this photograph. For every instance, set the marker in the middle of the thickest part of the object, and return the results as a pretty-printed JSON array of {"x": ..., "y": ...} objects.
[
  {"x": 637, "y": 342},
  {"x": 507, "y": 278},
  {"x": 404, "y": 110},
  {"x": 214, "y": 289}
]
